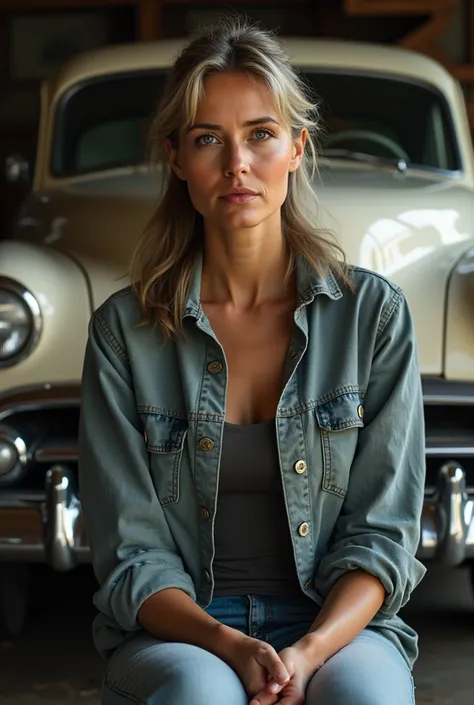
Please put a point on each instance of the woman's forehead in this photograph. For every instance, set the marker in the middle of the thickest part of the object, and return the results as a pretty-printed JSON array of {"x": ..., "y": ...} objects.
[{"x": 238, "y": 96}]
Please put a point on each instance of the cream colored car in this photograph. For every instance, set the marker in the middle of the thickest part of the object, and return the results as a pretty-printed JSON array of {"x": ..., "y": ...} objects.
[{"x": 396, "y": 186}]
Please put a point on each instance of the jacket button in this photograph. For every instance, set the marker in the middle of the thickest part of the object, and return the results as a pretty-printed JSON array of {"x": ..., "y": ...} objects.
[
  {"x": 300, "y": 467},
  {"x": 214, "y": 367},
  {"x": 303, "y": 529},
  {"x": 207, "y": 576},
  {"x": 205, "y": 513},
  {"x": 206, "y": 444},
  {"x": 360, "y": 411}
]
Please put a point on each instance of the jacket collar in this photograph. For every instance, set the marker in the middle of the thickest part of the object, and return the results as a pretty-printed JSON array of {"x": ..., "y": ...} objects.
[{"x": 309, "y": 282}]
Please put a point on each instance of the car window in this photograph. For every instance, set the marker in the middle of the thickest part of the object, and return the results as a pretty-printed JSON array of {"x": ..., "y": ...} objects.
[
  {"x": 103, "y": 124},
  {"x": 385, "y": 117}
]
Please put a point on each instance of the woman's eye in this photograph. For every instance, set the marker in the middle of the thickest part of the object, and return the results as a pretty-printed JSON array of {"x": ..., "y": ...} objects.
[
  {"x": 261, "y": 135},
  {"x": 205, "y": 140}
]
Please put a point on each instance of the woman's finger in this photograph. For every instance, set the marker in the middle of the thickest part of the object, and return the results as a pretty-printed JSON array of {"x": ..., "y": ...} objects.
[
  {"x": 269, "y": 659},
  {"x": 264, "y": 698},
  {"x": 293, "y": 699},
  {"x": 292, "y": 695}
]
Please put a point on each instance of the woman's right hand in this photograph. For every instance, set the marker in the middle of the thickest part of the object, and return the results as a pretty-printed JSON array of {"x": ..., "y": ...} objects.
[{"x": 256, "y": 663}]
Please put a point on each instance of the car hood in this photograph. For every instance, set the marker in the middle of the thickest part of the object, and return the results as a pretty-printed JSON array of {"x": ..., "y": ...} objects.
[{"x": 411, "y": 227}]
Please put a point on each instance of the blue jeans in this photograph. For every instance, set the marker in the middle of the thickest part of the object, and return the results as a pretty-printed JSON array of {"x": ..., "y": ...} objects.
[{"x": 144, "y": 670}]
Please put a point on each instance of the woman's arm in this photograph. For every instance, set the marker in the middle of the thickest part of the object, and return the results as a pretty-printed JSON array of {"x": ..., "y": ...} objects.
[
  {"x": 133, "y": 551},
  {"x": 378, "y": 528},
  {"x": 352, "y": 603},
  {"x": 172, "y": 615},
  {"x": 371, "y": 565}
]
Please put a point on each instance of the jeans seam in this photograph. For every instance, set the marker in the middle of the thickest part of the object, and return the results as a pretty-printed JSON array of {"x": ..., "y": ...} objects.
[{"x": 119, "y": 691}]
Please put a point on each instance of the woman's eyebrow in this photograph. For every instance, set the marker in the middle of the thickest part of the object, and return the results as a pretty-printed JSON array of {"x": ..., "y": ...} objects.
[{"x": 248, "y": 123}]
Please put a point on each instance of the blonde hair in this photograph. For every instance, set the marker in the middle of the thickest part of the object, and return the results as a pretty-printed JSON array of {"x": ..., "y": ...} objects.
[{"x": 165, "y": 256}]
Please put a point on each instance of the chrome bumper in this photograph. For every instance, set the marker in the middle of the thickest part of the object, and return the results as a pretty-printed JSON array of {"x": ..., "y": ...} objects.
[
  {"x": 45, "y": 528},
  {"x": 49, "y": 528}
]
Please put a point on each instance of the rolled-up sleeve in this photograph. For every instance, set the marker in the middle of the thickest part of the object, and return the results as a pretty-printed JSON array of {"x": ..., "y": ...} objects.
[
  {"x": 378, "y": 529},
  {"x": 133, "y": 552}
]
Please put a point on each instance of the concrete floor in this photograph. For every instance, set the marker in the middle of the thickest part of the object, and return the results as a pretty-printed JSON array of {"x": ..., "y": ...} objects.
[{"x": 53, "y": 663}]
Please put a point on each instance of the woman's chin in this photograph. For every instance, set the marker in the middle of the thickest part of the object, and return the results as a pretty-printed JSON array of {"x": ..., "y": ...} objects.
[{"x": 242, "y": 221}]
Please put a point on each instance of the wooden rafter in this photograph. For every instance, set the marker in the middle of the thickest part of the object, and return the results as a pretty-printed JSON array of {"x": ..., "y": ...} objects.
[
  {"x": 40, "y": 5},
  {"x": 397, "y": 7}
]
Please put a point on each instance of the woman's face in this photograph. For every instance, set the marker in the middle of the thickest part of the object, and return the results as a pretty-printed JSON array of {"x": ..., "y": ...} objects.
[{"x": 237, "y": 155}]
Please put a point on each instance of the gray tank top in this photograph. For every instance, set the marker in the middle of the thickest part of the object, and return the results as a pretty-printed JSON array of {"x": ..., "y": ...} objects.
[{"x": 253, "y": 545}]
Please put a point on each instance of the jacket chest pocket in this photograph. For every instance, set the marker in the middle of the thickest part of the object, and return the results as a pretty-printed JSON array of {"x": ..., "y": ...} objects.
[
  {"x": 164, "y": 437},
  {"x": 339, "y": 421}
]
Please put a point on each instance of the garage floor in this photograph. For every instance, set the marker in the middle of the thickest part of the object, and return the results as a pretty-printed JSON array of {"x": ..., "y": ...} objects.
[{"x": 53, "y": 663}]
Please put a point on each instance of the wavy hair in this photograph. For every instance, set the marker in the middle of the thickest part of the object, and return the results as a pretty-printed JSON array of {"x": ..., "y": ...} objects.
[{"x": 163, "y": 262}]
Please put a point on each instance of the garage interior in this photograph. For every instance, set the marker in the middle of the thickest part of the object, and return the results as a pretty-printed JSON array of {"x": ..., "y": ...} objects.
[{"x": 53, "y": 662}]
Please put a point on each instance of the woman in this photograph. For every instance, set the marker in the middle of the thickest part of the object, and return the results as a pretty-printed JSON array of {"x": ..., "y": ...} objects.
[{"x": 251, "y": 443}]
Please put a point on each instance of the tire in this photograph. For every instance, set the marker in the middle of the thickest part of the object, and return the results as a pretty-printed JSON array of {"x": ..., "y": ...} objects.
[{"x": 14, "y": 593}]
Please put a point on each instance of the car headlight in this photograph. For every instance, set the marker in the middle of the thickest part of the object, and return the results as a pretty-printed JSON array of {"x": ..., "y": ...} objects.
[{"x": 20, "y": 322}]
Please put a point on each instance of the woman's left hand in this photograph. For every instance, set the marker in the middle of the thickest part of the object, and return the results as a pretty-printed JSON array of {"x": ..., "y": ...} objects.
[{"x": 301, "y": 667}]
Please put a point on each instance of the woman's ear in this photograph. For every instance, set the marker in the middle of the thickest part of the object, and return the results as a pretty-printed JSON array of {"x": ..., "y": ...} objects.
[
  {"x": 298, "y": 149},
  {"x": 173, "y": 159}
]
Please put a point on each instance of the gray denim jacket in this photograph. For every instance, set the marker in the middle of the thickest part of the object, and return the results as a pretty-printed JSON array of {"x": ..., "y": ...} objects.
[{"x": 350, "y": 439}]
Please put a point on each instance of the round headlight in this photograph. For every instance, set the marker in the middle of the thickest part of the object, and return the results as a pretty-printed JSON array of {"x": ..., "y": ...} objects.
[{"x": 20, "y": 322}]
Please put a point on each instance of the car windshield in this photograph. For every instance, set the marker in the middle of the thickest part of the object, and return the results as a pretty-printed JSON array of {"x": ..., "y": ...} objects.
[{"x": 103, "y": 124}]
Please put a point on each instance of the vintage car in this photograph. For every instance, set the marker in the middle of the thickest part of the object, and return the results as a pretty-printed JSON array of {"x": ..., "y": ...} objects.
[{"x": 396, "y": 186}]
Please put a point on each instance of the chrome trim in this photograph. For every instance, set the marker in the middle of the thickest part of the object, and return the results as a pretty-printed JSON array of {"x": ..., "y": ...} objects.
[
  {"x": 56, "y": 455},
  {"x": 448, "y": 400},
  {"x": 447, "y": 522},
  {"x": 437, "y": 390},
  {"x": 45, "y": 396},
  {"x": 64, "y": 514},
  {"x": 9, "y": 435},
  {"x": 450, "y": 451},
  {"x": 34, "y": 311},
  {"x": 456, "y": 514}
]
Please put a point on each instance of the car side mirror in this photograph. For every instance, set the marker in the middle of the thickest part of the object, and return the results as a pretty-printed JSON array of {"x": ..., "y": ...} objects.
[{"x": 17, "y": 169}]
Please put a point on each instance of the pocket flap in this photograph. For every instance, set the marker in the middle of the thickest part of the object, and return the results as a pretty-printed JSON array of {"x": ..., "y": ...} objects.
[
  {"x": 341, "y": 412},
  {"x": 164, "y": 434}
]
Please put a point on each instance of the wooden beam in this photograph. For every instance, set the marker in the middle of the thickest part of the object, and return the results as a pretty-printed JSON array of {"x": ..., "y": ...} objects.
[
  {"x": 397, "y": 7},
  {"x": 257, "y": 3},
  {"x": 424, "y": 38},
  {"x": 150, "y": 16},
  {"x": 40, "y": 5}
]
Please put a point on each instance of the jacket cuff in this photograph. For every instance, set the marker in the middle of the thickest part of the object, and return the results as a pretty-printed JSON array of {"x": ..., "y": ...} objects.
[
  {"x": 399, "y": 574},
  {"x": 135, "y": 580}
]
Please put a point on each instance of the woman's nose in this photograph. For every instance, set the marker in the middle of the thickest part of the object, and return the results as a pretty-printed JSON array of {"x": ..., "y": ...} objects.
[{"x": 235, "y": 161}]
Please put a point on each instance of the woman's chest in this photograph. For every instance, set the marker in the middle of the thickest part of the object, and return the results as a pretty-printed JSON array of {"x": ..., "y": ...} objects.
[{"x": 255, "y": 349}]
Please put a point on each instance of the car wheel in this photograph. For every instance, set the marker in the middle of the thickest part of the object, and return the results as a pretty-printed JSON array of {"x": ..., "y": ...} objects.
[{"x": 14, "y": 589}]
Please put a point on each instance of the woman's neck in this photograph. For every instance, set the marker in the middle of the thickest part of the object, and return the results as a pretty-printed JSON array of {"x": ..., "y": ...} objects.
[{"x": 245, "y": 270}]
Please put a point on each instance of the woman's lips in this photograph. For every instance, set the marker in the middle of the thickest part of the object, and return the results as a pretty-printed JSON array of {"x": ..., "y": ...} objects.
[{"x": 239, "y": 197}]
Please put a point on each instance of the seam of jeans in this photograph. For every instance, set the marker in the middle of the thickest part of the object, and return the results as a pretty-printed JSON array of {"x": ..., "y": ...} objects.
[{"x": 119, "y": 691}]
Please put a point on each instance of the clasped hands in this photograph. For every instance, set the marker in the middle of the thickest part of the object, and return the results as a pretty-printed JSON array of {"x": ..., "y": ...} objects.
[{"x": 271, "y": 678}]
